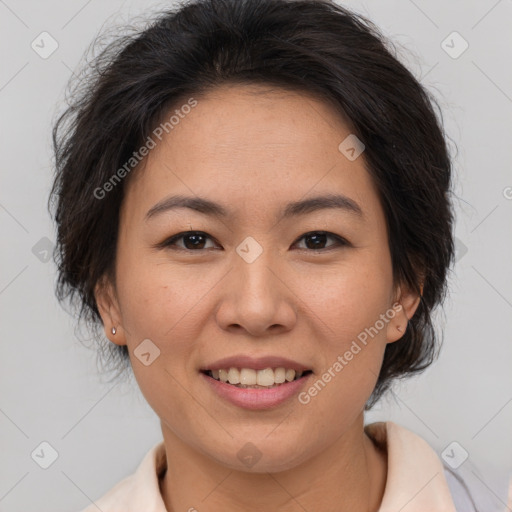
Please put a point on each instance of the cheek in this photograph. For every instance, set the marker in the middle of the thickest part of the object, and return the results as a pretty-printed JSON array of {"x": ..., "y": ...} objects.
[
  {"x": 155, "y": 297},
  {"x": 160, "y": 304},
  {"x": 348, "y": 306},
  {"x": 349, "y": 297}
]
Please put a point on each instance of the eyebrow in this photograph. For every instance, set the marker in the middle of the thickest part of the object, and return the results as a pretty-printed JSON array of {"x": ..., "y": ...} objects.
[{"x": 293, "y": 209}]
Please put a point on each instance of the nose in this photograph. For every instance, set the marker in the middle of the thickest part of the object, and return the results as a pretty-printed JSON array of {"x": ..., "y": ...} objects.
[{"x": 256, "y": 298}]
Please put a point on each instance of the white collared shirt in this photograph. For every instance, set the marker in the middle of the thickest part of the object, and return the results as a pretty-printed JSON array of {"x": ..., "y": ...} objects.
[{"x": 415, "y": 482}]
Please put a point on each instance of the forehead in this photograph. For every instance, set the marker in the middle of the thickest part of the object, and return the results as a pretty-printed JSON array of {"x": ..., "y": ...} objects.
[
  {"x": 257, "y": 116},
  {"x": 250, "y": 145}
]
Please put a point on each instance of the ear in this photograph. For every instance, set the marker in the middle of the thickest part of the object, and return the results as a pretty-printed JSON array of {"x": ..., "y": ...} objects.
[
  {"x": 108, "y": 307},
  {"x": 405, "y": 305}
]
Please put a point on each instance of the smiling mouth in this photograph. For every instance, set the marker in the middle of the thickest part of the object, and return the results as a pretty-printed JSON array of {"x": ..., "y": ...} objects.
[{"x": 256, "y": 379}]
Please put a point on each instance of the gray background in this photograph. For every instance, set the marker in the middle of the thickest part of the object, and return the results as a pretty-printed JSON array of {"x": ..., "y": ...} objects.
[{"x": 50, "y": 389}]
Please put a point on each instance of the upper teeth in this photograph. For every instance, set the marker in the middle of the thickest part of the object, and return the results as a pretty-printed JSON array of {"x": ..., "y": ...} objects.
[{"x": 250, "y": 377}]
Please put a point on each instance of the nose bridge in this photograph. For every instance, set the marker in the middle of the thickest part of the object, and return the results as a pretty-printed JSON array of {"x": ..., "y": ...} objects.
[
  {"x": 250, "y": 250},
  {"x": 253, "y": 267},
  {"x": 255, "y": 299}
]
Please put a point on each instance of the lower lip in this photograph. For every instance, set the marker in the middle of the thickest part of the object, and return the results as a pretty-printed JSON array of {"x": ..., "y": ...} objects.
[{"x": 253, "y": 398}]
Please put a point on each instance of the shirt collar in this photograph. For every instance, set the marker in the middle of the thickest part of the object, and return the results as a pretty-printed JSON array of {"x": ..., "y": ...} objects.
[{"x": 415, "y": 481}]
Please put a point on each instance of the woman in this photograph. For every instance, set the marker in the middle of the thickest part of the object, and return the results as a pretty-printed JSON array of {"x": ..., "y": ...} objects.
[{"x": 252, "y": 200}]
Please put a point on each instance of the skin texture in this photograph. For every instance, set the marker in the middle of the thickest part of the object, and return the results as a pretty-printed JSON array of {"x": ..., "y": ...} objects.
[{"x": 254, "y": 149}]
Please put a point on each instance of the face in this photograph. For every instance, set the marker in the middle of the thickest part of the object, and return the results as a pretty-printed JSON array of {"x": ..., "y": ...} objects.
[{"x": 256, "y": 279}]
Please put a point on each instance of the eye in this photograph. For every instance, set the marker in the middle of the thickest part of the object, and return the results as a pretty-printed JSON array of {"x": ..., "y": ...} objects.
[
  {"x": 197, "y": 241},
  {"x": 315, "y": 240},
  {"x": 192, "y": 241}
]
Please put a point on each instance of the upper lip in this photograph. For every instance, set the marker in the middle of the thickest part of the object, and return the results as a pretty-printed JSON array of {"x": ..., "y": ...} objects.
[{"x": 256, "y": 363}]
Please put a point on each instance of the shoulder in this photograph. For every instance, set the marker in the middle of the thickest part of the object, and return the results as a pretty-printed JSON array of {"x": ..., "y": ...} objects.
[
  {"x": 117, "y": 498},
  {"x": 138, "y": 491},
  {"x": 460, "y": 492},
  {"x": 413, "y": 464},
  {"x": 479, "y": 486}
]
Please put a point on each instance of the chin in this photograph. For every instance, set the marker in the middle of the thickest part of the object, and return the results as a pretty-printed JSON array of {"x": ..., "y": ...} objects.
[{"x": 263, "y": 455}]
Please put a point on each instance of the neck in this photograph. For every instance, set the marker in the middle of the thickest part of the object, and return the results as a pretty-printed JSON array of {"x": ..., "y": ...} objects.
[{"x": 350, "y": 475}]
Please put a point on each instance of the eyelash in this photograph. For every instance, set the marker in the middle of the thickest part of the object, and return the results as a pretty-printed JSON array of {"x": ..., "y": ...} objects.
[{"x": 171, "y": 242}]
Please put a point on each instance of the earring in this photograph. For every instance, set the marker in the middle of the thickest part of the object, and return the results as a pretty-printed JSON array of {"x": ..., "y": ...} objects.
[{"x": 113, "y": 330}]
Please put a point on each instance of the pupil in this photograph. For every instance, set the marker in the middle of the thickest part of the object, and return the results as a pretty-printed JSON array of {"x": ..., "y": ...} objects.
[
  {"x": 194, "y": 245},
  {"x": 320, "y": 238}
]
